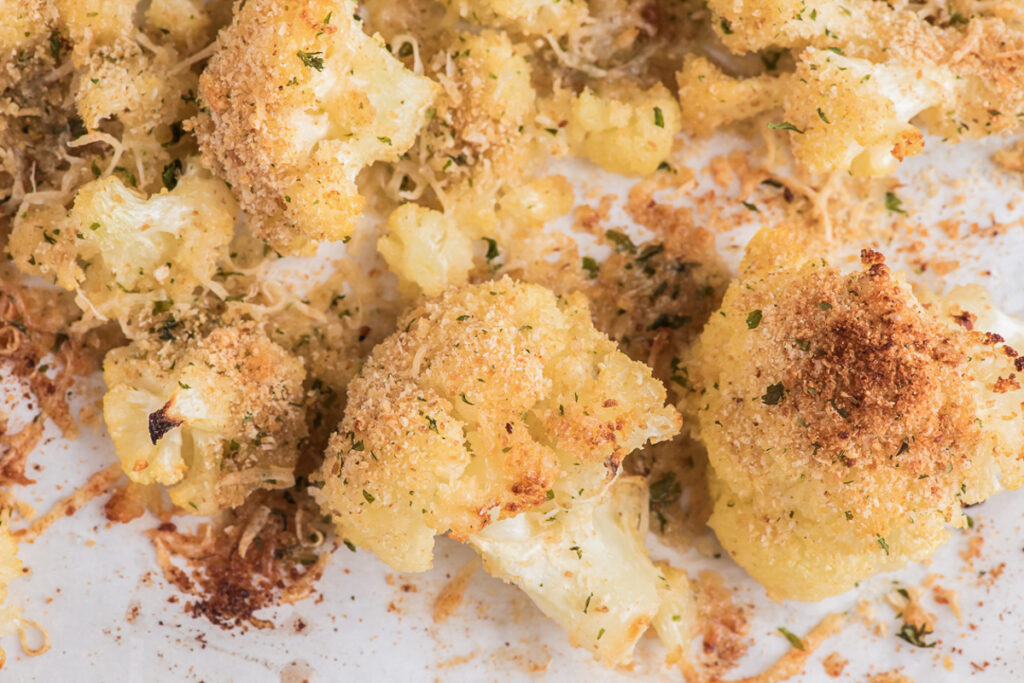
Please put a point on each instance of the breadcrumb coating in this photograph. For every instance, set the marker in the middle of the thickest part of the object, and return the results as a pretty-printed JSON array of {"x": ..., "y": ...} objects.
[
  {"x": 846, "y": 426},
  {"x": 298, "y": 100},
  {"x": 493, "y": 399}
]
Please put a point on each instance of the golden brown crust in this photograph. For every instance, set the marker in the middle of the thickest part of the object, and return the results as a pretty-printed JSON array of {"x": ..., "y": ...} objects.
[{"x": 846, "y": 425}]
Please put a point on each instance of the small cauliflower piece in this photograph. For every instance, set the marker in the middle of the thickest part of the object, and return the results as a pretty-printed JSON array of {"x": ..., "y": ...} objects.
[
  {"x": 624, "y": 129},
  {"x": 846, "y": 424},
  {"x": 852, "y": 114},
  {"x": 587, "y": 569},
  {"x": 710, "y": 99},
  {"x": 529, "y": 17},
  {"x": 426, "y": 249},
  {"x": 123, "y": 251},
  {"x": 298, "y": 101},
  {"x": 480, "y": 133},
  {"x": 492, "y": 399},
  {"x": 501, "y": 416},
  {"x": 213, "y": 417}
]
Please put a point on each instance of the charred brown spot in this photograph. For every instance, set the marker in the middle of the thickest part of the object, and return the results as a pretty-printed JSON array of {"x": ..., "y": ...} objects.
[
  {"x": 966, "y": 320},
  {"x": 869, "y": 257},
  {"x": 1006, "y": 384},
  {"x": 993, "y": 338},
  {"x": 160, "y": 422}
]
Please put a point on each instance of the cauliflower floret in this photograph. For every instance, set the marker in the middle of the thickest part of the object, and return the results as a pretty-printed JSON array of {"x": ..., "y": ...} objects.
[
  {"x": 492, "y": 399},
  {"x": 99, "y": 22},
  {"x": 989, "y": 67},
  {"x": 479, "y": 134},
  {"x": 846, "y": 425},
  {"x": 213, "y": 417},
  {"x": 190, "y": 24},
  {"x": 122, "y": 74},
  {"x": 123, "y": 251},
  {"x": 586, "y": 568},
  {"x": 424, "y": 247},
  {"x": 710, "y": 99},
  {"x": 530, "y": 17},
  {"x": 851, "y": 114},
  {"x": 299, "y": 100},
  {"x": 625, "y": 129}
]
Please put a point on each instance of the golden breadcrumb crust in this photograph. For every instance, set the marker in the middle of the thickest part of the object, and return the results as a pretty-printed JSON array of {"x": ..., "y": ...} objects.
[{"x": 845, "y": 425}]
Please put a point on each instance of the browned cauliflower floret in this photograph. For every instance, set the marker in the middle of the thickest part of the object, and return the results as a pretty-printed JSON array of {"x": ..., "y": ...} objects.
[
  {"x": 214, "y": 417},
  {"x": 500, "y": 415},
  {"x": 481, "y": 132},
  {"x": 298, "y": 101},
  {"x": 493, "y": 399},
  {"x": 852, "y": 114},
  {"x": 846, "y": 424}
]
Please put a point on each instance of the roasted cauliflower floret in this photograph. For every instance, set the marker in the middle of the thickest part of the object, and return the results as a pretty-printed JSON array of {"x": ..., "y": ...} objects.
[
  {"x": 585, "y": 567},
  {"x": 846, "y": 424},
  {"x": 852, "y": 114},
  {"x": 123, "y": 251},
  {"x": 212, "y": 417},
  {"x": 624, "y": 129},
  {"x": 710, "y": 99},
  {"x": 492, "y": 399},
  {"x": 299, "y": 100},
  {"x": 426, "y": 248},
  {"x": 480, "y": 133}
]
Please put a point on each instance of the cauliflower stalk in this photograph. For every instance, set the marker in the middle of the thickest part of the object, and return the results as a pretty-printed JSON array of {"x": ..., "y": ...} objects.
[
  {"x": 499, "y": 415},
  {"x": 124, "y": 251},
  {"x": 586, "y": 568},
  {"x": 212, "y": 417},
  {"x": 298, "y": 101},
  {"x": 883, "y": 419}
]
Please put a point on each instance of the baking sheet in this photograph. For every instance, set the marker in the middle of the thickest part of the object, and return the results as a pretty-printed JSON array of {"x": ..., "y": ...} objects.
[{"x": 96, "y": 586}]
